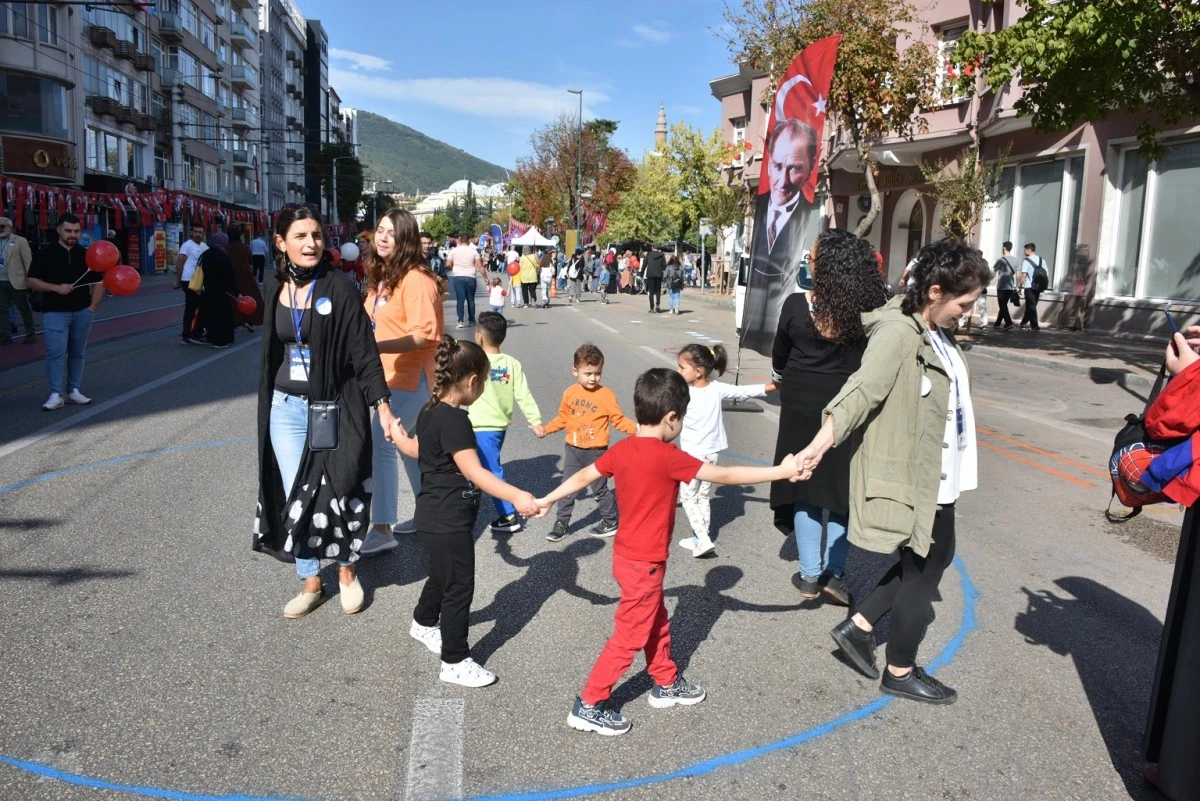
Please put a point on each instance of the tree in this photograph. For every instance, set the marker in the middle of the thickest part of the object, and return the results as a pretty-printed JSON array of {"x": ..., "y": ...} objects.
[
  {"x": 374, "y": 206},
  {"x": 962, "y": 187},
  {"x": 878, "y": 89},
  {"x": 349, "y": 177},
  {"x": 438, "y": 226},
  {"x": 651, "y": 209},
  {"x": 695, "y": 161},
  {"x": 464, "y": 214},
  {"x": 1078, "y": 61},
  {"x": 543, "y": 184}
]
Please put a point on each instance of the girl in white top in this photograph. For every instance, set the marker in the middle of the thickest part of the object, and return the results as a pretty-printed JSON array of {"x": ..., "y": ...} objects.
[
  {"x": 703, "y": 434},
  {"x": 496, "y": 296}
]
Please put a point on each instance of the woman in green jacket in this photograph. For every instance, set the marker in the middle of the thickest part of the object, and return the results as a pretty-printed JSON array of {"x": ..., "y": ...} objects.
[{"x": 908, "y": 416}]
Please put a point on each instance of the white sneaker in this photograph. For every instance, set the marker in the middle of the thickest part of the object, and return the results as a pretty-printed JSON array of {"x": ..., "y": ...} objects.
[
  {"x": 75, "y": 396},
  {"x": 55, "y": 401},
  {"x": 429, "y": 636},
  {"x": 703, "y": 546},
  {"x": 376, "y": 542},
  {"x": 689, "y": 543},
  {"x": 467, "y": 673},
  {"x": 407, "y": 527}
]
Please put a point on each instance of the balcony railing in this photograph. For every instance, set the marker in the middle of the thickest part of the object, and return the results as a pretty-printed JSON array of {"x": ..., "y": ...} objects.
[
  {"x": 100, "y": 36},
  {"x": 241, "y": 158},
  {"x": 240, "y": 74},
  {"x": 244, "y": 117},
  {"x": 170, "y": 26},
  {"x": 244, "y": 197},
  {"x": 243, "y": 33}
]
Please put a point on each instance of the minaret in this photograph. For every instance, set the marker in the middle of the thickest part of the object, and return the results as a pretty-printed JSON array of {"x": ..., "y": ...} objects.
[{"x": 660, "y": 128}]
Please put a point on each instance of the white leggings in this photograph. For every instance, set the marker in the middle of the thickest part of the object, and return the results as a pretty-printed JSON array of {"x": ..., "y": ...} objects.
[{"x": 694, "y": 498}]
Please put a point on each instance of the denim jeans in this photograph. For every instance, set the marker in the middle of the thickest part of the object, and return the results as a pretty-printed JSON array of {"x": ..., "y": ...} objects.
[
  {"x": 66, "y": 340},
  {"x": 813, "y": 560},
  {"x": 386, "y": 460},
  {"x": 673, "y": 299},
  {"x": 464, "y": 290},
  {"x": 289, "y": 437},
  {"x": 488, "y": 444}
]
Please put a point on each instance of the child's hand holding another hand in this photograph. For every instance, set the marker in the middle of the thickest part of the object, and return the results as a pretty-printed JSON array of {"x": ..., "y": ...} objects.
[{"x": 527, "y": 505}]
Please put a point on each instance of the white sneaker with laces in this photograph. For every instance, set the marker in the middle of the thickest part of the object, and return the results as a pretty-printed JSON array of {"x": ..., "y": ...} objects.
[
  {"x": 467, "y": 673},
  {"x": 55, "y": 401},
  {"x": 429, "y": 636},
  {"x": 703, "y": 546},
  {"x": 689, "y": 543},
  {"x": 77, "y": 397}
]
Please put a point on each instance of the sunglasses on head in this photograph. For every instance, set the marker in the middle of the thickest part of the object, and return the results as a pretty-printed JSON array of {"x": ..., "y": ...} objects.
[{"x": 297, "y": 206}]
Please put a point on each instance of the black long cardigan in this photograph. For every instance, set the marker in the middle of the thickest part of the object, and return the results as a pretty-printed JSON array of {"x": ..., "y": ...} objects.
[{"x": 328, "y": 511}]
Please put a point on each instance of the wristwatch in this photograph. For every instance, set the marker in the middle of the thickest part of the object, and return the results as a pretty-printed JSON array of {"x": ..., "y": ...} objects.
[{"x": 382, "y": 402}]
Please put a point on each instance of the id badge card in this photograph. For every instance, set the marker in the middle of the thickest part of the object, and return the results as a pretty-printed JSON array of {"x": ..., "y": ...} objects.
[
  {"x": 960, "y": 424},
  {"x": 298, "y": 360}
]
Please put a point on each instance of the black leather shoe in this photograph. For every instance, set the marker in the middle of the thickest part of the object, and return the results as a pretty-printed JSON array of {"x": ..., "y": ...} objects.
[
  {"x": 808, "y": 589},
  {"x": 857, "y": 645},
  {"x": 917, "y": 686},
  {"x": 834, "y": 589}
]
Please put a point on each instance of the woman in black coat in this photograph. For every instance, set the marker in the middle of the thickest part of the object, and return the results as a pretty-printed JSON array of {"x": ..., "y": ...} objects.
[
  {"x": 819, "y": 343},
  {"x": 220, "y": 292},
  {"x": 317, "y": 346}
]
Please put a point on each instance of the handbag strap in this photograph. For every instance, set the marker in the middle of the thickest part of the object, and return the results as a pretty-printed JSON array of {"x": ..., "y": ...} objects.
[{"x": 1158, "y": 385}]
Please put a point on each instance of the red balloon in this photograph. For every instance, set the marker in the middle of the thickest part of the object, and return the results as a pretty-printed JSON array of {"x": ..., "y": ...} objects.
[
  {"x": 102, "y": 256},
  {"x": 504, "y": 293},
  {"x": 514, "y": 268},
  {"x": 246, "y": 304},
  {"x": 336, "y": 256},
  {"x": 122, "y": 280}
]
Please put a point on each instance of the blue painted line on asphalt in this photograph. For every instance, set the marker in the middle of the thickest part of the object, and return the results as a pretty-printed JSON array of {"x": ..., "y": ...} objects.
[
  {"x": 118, "y": 460},
  {"x": 968, "y": 623}
]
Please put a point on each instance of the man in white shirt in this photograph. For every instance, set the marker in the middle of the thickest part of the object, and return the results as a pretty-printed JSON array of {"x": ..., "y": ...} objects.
[
  {"x": 185, "y": 267},
  {"x": 260, "y": 253}
]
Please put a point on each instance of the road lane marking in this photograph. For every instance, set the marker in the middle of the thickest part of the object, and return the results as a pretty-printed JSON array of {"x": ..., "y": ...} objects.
[
  {"x": 1032, "y": 463},
  {"x": 608, "y": 328},
  {"x": 661, "y": 355},
  {"x": 1040, "y": 452},
  {"x": 435, "y": 752},
  {"x": 112, "y": 403}
]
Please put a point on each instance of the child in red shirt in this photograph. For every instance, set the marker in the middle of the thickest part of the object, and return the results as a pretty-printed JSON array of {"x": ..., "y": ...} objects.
[{"x": 647, "y": 472}]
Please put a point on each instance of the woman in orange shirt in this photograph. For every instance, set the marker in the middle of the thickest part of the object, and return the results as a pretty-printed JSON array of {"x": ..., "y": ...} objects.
[{"x": 404, "y": 302}]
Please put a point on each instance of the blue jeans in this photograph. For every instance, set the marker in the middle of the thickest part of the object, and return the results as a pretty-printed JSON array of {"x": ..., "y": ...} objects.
[
  {"x": 66, "y": 340},
  {"x": 386, "y": 460},
  {"x": 488, "y": 444},
  {"x": 673, "y": 299},
  {"x": 464, "y": 290},
  {"x": 808, "y": 542},
  {"x": 289, "y": 437}
]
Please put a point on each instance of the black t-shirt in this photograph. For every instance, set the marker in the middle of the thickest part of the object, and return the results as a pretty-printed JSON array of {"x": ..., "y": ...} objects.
[
  {"x": 54, "y": 264},
  {"x": 285, "y": 329},
  {"x": 799, "y": 346},
  {"x": 447, "y": 502}
]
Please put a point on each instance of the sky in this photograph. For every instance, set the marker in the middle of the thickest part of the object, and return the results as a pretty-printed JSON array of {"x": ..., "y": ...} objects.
[{"x": 482, "y": 76}]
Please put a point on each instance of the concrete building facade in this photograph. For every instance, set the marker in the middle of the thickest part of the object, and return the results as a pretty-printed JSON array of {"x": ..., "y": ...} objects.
[{"x": 285, "y": 39}]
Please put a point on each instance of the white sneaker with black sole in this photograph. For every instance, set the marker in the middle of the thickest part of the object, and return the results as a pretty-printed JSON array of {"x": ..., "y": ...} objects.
[
  {"x": 429, "y": 636},
  {"x": 598, "y": 718},
  {"x": 467, "y": 673},
  {"x": 681, "y": 693}
]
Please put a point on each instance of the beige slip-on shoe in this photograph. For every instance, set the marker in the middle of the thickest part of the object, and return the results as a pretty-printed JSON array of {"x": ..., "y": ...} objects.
[
  {"x": 352, "y": 596},
  {"x": 303, "y": 603}
]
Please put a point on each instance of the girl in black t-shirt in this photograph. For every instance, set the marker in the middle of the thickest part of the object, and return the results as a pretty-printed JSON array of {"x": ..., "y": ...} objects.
[{"x": 443, "y": 443}]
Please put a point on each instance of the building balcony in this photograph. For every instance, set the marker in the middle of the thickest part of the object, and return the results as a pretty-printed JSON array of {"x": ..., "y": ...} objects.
[
  {"x": 103, "y": 106},
  {"x": 126, "y": 114},
  {"x": 290, "y": 88},
  {"x": 291, "y": 121},
  {"x": 244, "y": 197},
  {"x": 170, "y": 27},
  {"x": 243, "y": 117},
  {"x": 244, "y": 5},
  {"x": 100, "y": 36},
  {"x": 243, "y": 36},
  {"x": 145, "y": 122},
  {"x": 125, "y": 49},
  {"x": 242, "y": 76},
  {"x": 143, "y": 62},
  {"x": 292, "y": 153},
  {"x": 170, "y": 77},
  {"x": 241, "y": 159}
]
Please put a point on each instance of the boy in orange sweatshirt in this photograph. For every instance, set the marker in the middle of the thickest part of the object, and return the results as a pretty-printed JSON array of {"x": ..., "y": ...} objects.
[{"x": 587, "y": 411}]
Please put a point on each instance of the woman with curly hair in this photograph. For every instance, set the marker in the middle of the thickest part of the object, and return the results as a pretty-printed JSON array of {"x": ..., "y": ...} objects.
[
  {"x": 404, "y": 302},
  {"x": 819, "y": 343}
]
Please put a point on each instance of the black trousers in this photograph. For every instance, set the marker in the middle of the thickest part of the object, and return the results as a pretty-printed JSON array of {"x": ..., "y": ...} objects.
[
  {"x": 1030, "y": 315},
  {"x": 907, "y": 591},
  {"x": 1004, "y": 297},
  {"x": 574, "y": 460},
  {"x": 192, "y": 327},
  {"x": 446, "y": 597},
  {"x": 260, "y": 263},
  {"x": 529, "y": 294},
  {"x": 654, "y": 289}
]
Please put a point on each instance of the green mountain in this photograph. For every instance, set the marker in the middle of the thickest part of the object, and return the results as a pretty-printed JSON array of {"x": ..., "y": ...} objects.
[{"x": 414, "y": 161}]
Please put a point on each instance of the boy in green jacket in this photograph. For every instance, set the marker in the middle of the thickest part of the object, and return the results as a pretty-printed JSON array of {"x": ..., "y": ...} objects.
[{"x": 492, "y": 414}]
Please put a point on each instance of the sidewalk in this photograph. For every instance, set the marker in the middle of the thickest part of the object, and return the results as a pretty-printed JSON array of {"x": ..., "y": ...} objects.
[{"x": 1105, "y": 359}]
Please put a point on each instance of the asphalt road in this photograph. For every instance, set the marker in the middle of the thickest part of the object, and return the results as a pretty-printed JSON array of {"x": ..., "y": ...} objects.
[{"x": 143, "y": 645}]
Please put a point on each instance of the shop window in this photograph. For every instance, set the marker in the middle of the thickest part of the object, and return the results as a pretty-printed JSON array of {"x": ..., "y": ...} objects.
[
  {"x": 33, "y": 105},
  {"x": 1172, "y": 249}
]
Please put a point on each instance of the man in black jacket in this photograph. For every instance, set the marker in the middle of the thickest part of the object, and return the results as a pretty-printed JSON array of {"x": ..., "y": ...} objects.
[{"x": 653, "y": 267}]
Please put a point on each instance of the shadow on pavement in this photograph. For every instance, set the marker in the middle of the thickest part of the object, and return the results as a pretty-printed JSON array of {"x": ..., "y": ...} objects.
[
  {"x": 70, "y": 575},
  {"x": 1114, "y": 644},
  {"x": 1101, "y": 375},
  {"x": 728, "y": 504}
]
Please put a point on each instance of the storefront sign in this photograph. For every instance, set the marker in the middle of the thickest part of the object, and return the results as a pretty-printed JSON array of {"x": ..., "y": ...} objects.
[
  {"x": 892, "y": 179},
  {"x": 160, "y": 248},
  {"x": 39, "y": 157}
]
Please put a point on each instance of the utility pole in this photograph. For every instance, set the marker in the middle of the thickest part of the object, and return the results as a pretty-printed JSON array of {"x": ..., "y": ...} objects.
[{"x": 579, "y": 173}]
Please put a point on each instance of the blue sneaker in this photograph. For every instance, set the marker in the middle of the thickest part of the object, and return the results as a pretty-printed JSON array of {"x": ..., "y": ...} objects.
[
  {"x": 598, "y": 718},
  {"x": 682, "y": 692}
]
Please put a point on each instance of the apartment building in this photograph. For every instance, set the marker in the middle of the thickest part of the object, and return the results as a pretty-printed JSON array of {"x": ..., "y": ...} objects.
[
  {"x": 1114, "y": 230},
  {"x": 285, "y": 40},
  {"x": 316, "y": 108}
]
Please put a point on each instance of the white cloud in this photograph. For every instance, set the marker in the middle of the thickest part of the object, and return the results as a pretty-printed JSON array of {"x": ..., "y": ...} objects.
[
  {"x": 655, "y": 33},
  {"x": 360, "y": 61},
  {"x": 689, "y": 110},
  {"x": 500, "y": 98}
]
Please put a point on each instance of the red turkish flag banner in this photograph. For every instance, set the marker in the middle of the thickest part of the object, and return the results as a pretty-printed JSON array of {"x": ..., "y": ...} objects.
[{"x": 802, "y": 95}]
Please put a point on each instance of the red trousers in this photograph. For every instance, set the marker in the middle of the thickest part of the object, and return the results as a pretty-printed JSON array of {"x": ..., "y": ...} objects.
[{"x": 641, "y": 625}]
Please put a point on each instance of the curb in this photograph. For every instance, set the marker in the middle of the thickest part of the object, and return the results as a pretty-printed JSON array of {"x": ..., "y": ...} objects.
[{"x": 1098, "y": 374}]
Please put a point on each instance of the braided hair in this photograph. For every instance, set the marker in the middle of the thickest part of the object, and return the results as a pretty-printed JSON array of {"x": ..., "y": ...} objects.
[
  {"x": 706, "y": 358},
  {"x": 455, "y": 361},
  {"x": 955, "y": 267}
]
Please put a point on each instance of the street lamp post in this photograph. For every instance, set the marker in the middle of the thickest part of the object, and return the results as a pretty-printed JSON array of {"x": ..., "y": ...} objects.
[
  {"x": 579, "y": 172},
  {"x": 336, "y": 159},
  {"x": 375, "y": 201}
]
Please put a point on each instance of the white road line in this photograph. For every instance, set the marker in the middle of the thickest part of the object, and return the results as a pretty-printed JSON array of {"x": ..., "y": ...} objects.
[
  {"x": 607, "y": 328},
  {"x": 661, "y": 355},
  {"x": 101, "y": 408},
  {"x": 435, "y": 753}
]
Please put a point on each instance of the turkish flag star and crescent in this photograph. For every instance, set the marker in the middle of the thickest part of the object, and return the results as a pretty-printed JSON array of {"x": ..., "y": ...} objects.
[{"x": 802, "y": 95}]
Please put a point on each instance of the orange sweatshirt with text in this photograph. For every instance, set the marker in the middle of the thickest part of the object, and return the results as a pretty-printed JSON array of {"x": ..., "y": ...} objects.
[{"x": 587, "y": 415}]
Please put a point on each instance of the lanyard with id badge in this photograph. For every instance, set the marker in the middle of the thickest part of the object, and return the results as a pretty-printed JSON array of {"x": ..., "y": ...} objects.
[
  {"x": 324, "y": 417},
  {"x": 960, "y": 424}
]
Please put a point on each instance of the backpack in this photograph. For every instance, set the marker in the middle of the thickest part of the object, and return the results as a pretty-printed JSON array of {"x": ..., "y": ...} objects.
[
  {"x": 1041, "y": 278},
  {"x": 674, "y": 279},
  {"x": 1132, "y": 452}
]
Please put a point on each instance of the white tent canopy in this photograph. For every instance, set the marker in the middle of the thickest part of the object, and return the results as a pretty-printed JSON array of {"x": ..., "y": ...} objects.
[{"x": 534, "y": 238}]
